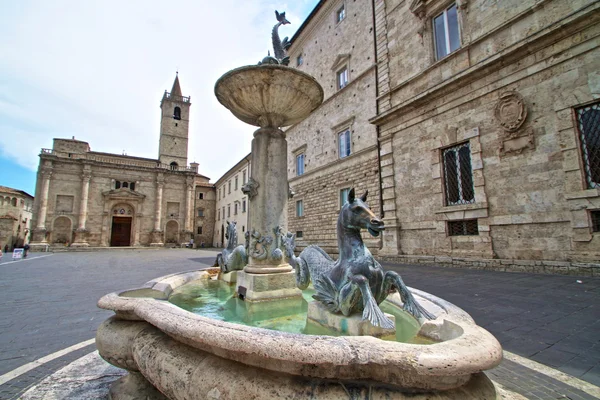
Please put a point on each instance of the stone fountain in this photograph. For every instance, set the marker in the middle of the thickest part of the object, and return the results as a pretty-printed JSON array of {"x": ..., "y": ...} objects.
[{"x": 171, "y": 353}]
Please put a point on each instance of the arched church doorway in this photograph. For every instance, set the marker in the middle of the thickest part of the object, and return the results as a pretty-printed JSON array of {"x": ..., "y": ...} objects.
[
  {"x": 171, "y": 232},
  {"x": 61, "y": 232},
  {"x": 122, "y": 220}
]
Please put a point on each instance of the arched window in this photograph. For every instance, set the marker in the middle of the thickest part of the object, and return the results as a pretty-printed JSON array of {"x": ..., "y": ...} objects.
[
  {"x": 14, "y": 201},
  {"x": 177, "y": 113},
  {"x": 125, "y": 184},
  {"x": 174, "y": 166}
]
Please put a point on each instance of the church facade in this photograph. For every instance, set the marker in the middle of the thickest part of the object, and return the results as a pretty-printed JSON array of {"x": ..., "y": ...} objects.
[{"x": 88, "y": 198}]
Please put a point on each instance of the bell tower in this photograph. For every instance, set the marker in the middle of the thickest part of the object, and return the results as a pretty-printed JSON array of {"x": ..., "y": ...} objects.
[{"x": 174, "y": 125}]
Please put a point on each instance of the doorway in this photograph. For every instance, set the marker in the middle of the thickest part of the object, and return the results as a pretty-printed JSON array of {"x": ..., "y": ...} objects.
[{"x": 121, "y": 231}]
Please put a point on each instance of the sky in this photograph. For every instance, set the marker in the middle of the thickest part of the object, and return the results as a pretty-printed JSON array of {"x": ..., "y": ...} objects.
[{"x": 97, "y": 70}]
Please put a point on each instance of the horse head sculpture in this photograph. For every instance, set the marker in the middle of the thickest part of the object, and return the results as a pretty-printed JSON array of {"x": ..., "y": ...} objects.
[
  {"x": 355, "y": 282},
  {"x": 233, "y": 257}
]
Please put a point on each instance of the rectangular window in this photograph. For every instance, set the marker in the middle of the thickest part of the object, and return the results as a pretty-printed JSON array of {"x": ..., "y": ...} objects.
[
  {"x": 344, "y": 196},
  {"x": 342, "y": 78},
  {"x": 228, "y": 210},
  {"x": 341, "y": 14},
  {"x": 223, "y": 212},
  {"x": 218, "y": 215},
  {"x": 236, "y": 182},
  {"x": 595, "y": 215},
  {"x": 299, "y": 60},
  {"x": 199, "y": 230},
  {"x": 458, "y": 175},
  {"x": 235, "y": 208},
  {"x": 445, "y": 29},
  {"x": 299, "y": 208},
  {"x": 229, "y": 187},
  {"x": 299, "y": 234},
  {"x": 300, "y": 164},
  {"x": 117, "y": 184},
  {"x": 132, "y": 186},
  {"x": 244, "y": 177},
  {"x": 200, "y": 196},
  {"x": 201, "y": 212},
  {"x": 344, "y": 143},
  {"x": 588, "y": 121},
  {"x": 466, "y": 227},
  {"x": 243, "y": 205}
]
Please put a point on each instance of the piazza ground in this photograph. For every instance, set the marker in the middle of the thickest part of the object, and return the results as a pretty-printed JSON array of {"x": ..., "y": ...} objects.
[{"x": 49, "y": 304}]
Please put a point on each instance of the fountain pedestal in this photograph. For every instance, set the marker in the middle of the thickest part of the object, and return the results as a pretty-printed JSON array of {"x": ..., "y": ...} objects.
[{"x": 268, "y": 96}]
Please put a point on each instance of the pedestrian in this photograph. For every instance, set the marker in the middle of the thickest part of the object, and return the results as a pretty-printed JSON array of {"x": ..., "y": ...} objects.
[{"x": 25, "y": 250}]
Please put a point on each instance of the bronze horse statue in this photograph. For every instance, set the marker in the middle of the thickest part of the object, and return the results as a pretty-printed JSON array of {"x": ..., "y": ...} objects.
[
  {"x": 356, "y": 282},
  {"x": 233, "y": 257}
]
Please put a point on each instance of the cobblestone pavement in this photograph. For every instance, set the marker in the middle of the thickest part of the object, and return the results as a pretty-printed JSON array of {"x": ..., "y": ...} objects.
[
  {"x": 554, "y": 320},
  {"x": 49, "y": 304}
]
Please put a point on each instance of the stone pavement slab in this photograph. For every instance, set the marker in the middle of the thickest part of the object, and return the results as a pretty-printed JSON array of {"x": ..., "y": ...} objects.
[
  {"x": 49, "y": 303},
  {"x": 552, "y": 319}
]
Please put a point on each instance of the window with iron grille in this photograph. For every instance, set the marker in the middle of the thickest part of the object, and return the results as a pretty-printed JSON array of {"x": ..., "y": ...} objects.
[
  {"x": 588, "y": 121},
  {"x": 458, "y": 175},
  {"x": 299, "y": 234},
  {"x": 595, "y": 220},
  {"x": 463, "y": 228}
]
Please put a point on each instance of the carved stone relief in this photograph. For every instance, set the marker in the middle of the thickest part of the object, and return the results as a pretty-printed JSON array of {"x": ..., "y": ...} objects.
[{"x": 511, "y": 113}]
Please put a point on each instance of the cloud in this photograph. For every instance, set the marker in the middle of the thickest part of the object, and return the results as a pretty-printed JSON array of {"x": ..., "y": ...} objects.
[{"x": 97, "y": 71}]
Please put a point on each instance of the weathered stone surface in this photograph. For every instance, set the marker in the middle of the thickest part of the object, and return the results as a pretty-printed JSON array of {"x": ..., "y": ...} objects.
[{"x": 88, "y": 378}]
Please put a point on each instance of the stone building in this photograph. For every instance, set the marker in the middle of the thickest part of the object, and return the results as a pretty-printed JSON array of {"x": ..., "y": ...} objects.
[
  {"x": 475, "y": 126},
  {"x": 232, "y": 203},
  {"x": 335, "y": 148},
  {"x": 488, "y": 125},
  {"x": 16, "y": 208},
  {"x": 88, "y": 198}
]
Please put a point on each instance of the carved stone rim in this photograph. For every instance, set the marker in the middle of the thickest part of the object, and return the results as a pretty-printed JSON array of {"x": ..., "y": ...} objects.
[
  {"x": 423, "y": 367},
  {"x": 274, "y": 113}
]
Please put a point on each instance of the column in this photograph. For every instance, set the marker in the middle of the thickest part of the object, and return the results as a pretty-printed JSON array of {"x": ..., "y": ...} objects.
[
  {"x": 39, "y": 233},
  {"x": 157, "y": 234},
  {"x": 189, "y": 206},
  {"x": 80, "y": 233}
]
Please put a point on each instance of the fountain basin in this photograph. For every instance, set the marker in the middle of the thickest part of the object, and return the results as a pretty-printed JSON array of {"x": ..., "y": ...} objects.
[
  {"x": 153, "y": 337},
  {"x": 269, "y": 95}
]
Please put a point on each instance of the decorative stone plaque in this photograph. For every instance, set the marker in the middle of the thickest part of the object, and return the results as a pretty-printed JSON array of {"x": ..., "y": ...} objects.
[{"x": 511, "y": 112}]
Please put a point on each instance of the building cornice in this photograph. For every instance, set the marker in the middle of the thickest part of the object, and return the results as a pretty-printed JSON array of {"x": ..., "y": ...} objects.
[{"x": 514, "y": 52}]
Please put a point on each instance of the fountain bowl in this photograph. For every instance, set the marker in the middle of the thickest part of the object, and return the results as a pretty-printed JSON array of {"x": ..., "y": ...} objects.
[
  {"x": 269, "y": 95},
  {"x": 185, "y": 355}
]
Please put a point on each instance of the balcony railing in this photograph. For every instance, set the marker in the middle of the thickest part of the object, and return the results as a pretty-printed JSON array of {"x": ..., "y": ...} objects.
[
  {"x": 115, "y": 160},
  {"x": 183, "y": 99}
]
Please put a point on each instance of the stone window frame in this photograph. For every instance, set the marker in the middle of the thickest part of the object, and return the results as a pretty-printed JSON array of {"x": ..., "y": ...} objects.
[
  {"x": 341, "y": 63},
  {"x": 200, "y": 195},
  {"x": 199, "y": 230},
  {"x": 341, "y": 188},
  {"x": 236, "y": 207},
  {"x": 444, "y": 12},
  {"x": 244, "y": 177},
  {"x": 476, "y": 210},
  {"x": 301, "y": 214},
  {"x": 342, "y": 10},
  {"x": 461, "y": 198},
  {"x": 244, "y": 205},
  {"x": 426, "y": 11},
  {"x": 229, "y": 187},
  {"x": 200, "y": 213},
  {"x": 237, "y": 182},
  {"x": 229, "y": 210},
  {"x": 580, "y": 198},
  {"x": 219, "y": 214},
  {"x": 301, "y": 150}
]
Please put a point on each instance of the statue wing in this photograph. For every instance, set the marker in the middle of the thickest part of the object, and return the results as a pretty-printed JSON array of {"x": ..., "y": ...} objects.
[{"x": 327, "y": 293}]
